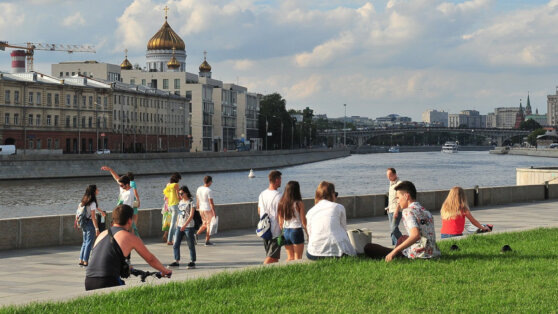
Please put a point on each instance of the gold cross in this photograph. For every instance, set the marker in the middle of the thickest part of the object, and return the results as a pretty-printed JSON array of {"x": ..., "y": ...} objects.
[
  {"x": 126, "y": 52},
  {"x": 166, "y": 9},
  {"x": 204, "y": 55}
]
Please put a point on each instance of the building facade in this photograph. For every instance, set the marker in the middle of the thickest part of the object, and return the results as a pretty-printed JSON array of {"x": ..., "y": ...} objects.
[
  {"x": 505, "y": 117},
  {"x": 552, "y": 109},
  {"x": 435, "y": 117},
  {"x": 83, "y": 115},
  {"x": 468, "y": 119}
]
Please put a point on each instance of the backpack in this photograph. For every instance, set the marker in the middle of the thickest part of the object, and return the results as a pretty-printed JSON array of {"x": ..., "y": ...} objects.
[
  {"x": 264, "y": 228},
  {"x": 81, "y": 215}
]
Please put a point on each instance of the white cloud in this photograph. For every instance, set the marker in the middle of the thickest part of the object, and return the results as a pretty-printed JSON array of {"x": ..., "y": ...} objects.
[
  {"x": 449, "y": 8},
  {"x": 73, "y": 20},
  {"x": 10, "y": 16},
  {"x": 243, "y": 65}
]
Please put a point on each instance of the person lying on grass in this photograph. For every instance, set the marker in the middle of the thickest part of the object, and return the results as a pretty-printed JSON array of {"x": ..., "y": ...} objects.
[
  {"x": 453, "y": 212},
  {"x": 421, "y": 242}
]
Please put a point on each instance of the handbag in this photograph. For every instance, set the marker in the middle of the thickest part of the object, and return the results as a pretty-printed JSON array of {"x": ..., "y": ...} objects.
[
  {"x": 213, "y": 224},
  {"x": 264, "y": 228},
  {"x": 359, "y": 238},
  {"x": 167, "y": 216}
]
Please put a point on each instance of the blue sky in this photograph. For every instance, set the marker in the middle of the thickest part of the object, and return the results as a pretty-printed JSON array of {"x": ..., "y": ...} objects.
[{"x": 378, "y": 57}]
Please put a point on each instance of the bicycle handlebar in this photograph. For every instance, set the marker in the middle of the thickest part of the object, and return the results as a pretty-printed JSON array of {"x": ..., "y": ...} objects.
[{"x": 144, "y": 274}]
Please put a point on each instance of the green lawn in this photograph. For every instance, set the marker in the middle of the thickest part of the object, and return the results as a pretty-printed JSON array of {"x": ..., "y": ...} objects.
[{"x": 477, "y": 278}]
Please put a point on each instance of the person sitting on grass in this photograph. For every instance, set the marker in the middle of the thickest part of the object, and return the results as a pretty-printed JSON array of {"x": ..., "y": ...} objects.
[
  {"x": 327, "y": 226},
  {"x": 421, "y": 241},
  {"x": 453, "y": 212}
]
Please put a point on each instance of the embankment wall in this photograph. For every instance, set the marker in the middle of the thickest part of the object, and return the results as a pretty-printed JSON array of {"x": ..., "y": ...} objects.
[
  {"x": 32, "y": 232},
  {"x": 67, "y": 166}
]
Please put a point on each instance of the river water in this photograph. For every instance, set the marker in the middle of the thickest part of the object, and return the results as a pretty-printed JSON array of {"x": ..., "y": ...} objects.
[{"x": 353, "y": 175}]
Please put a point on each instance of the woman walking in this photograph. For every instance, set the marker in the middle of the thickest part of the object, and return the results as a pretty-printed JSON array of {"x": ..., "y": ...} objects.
[
  {"x": 292, "y": 218},
  {"x": 453, "y": 212},
  {"x": 185, "y": 227},
  {"x": 171, "y": 193},
  {"x": 88, "y": 223}
]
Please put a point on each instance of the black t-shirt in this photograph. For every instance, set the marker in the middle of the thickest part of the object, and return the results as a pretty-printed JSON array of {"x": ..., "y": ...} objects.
[{"x": 106, "y": 257}]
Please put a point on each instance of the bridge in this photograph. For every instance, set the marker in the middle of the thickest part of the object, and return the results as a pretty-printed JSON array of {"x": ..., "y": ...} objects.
[{"x": 360, "y": 137}]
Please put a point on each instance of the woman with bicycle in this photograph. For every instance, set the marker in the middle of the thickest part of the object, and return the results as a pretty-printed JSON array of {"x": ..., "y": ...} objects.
[{"x": 89, "y": 224}]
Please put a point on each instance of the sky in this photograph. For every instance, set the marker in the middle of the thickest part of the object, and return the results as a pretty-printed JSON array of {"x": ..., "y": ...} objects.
[{"x": 378, "y": 57}]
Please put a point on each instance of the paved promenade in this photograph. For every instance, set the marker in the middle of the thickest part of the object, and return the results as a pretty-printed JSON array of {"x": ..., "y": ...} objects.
[{"x": 53, "y": 274}]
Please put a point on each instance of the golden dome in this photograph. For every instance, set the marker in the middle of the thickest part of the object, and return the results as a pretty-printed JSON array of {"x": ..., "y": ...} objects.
[
  {"x": 166, "y": 39},
  {"x": 173, "y": 63},
  {"x": 126, "y": 65},
  {"x": 205, "y": 67}
]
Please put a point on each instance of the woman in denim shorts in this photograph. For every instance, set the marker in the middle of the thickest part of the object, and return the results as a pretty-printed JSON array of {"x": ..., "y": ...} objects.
[{"x": 292, "y": 218}]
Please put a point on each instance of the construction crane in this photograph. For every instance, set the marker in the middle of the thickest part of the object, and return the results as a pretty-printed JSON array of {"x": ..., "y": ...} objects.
[{"x": 31, "y": 47}]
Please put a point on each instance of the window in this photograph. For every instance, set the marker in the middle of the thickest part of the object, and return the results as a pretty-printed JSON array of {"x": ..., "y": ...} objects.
[
  {"x": 75, "y": 122},
  {"x": 90, "y": 101},
  {"x": 38, "y": 119},
  {"x": 30, "y": 144},
  {"x": 132, "y": 81},
  {"x": 56, "y": 144},
  {"x": 49, "y": 143},
  {"x": 176, "y": 83},
  {"x": 90, "y": 122},
  {"x": 68, "y": 100},
  {"x": 48, "y": 119},
  {"x": 30, "y": 120},
  {"x": 55, "y": 120},
  {"x": 143, "y": 82},
  {"x": 39, "y": 100},
  {"x": 98, "y": 101},
  {"x": 73, "y": 73},
  {"x": 16, "y": 118},
  {"x": 67, "y": 73},
  {"x": 105, "y": 102},
  {"x": 16, "y": 97},
  {"x": 38, "y": 143},
  {"x": 57, "y": 99},
  {"x": 61, "y": 74},
  {"x": 82, "y": 122},
  {"x": 7, "y": 119},
  {"x": 67, "y": 121},
  {"x": 165, "y": 83},
  {"x": 49, "y": 99},
  {"x": 30, "y": 97},
  {"x": 7, "y": 97},
  {"x": 75, "y": 100},
  {"x": 83, "y": 101}
]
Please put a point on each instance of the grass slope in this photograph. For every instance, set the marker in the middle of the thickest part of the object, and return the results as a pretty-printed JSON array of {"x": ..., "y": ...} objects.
[{"x": 477, "y": 278}]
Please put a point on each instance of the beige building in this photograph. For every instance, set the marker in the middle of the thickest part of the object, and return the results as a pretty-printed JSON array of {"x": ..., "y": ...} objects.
[
  {"x": 435, "y": 117},
  {"x": 214, "y": 120},
  {"x": 81, "y": 115},
  {"x": 506, "y": 117},
  {"x": 552, "y": 109},
  {"x": 103, "y": 71}
]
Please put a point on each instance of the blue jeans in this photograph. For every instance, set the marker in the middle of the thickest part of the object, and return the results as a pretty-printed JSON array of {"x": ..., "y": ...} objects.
[
  {"x": 174, "y": 210},
  {"x": 445, "y": 235},
  {"x": 189, "y": 232},
  {"x": 394, "y": 227},
  {"x": 88, "y": 237}
]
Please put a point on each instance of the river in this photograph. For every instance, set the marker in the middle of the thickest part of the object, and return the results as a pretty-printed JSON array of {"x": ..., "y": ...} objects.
[{"x": 353, "y": 175}]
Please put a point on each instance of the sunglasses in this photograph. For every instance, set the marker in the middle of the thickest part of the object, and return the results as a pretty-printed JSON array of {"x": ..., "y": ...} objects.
[{"x": 180, "y": 193}]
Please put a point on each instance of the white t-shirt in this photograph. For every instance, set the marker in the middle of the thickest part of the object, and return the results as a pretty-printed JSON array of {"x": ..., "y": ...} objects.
[
  {"x": 203, "y": 195},
  {"x": 268, "y": 203},
  {"x": 295, "y": 222},
  {"x": 89, "y": 208},
  {"x": 127, "y": 197},
  {"x": 184, "y": 209},
  {"x": 327, "y": 230}
]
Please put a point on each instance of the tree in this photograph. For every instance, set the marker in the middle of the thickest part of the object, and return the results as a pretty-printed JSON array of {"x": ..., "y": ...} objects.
[
  {"x": 273, "y": 111},
  {"x": 530, "y": 125},
  {"x": 532, "y": 138}
]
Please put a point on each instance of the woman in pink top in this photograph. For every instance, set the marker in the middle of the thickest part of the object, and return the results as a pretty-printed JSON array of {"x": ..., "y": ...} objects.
[{"x": 453, "y": 212}]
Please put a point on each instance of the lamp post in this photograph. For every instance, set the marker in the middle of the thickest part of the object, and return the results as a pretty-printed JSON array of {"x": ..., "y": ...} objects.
[
  {"x": 280, "y": 120},
  {"x": 345, "y": 127}
]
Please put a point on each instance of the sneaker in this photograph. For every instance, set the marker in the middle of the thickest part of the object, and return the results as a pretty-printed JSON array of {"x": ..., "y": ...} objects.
[
  {"x": 191, "y": 265},
  {"x": 174, "y": 264},
  {"x": 209, "y": 243}
]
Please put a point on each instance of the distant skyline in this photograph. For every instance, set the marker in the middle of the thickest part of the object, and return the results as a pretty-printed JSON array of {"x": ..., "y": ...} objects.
[{"x": 378, "y": 57}]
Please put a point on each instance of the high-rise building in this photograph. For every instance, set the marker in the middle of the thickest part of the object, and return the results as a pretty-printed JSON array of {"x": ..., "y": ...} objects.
[
  {"x": 435, "y": 117},
  {"x": 552, "y": 109},
  {"x": 505, "y": 117}
]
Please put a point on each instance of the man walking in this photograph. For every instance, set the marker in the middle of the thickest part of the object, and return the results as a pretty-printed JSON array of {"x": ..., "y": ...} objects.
[
  {"x": 205, "y": 205},
  {"x": 267, "y": 204},
  {"x": 394, "y": 210}
]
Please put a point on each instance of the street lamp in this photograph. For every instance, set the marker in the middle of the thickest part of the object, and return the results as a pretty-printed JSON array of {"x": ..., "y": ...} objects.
[
  {"x": 280, "y": 120},
  {"x": 345, "y": 127}
]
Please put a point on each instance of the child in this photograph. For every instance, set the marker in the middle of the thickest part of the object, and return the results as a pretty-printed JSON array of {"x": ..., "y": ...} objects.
[{"x": 185, "y": 224}]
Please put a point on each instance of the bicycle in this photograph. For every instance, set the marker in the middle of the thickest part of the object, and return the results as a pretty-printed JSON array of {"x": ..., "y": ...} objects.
[{"x": 144, "y": 274}]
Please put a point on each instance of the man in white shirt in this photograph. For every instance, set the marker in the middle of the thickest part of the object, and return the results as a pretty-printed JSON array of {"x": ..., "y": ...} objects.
[
  {"x": 267, "y": 204},
  {"x": 206, "y": 207},
  {"x": 394, "y": 210}
]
